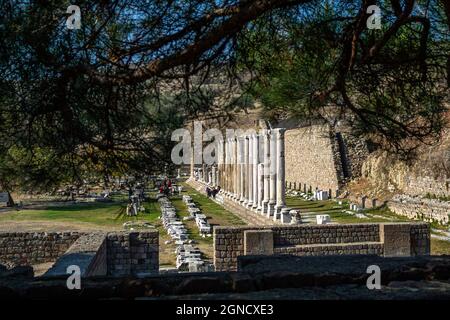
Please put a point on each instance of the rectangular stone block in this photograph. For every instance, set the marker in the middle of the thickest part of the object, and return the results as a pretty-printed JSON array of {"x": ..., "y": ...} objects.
[
  {"x": 396, "y": 238},
  {"x": 258, "y": 242}
]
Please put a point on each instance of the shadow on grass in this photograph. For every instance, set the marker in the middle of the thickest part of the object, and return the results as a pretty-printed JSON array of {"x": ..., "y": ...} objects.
[{"x": 80, "y": 206}]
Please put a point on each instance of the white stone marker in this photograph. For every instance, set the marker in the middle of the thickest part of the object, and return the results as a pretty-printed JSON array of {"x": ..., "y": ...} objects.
[
  {"x": 322, "y": 195},
  {"x": 286, "y": 216},
  {"x": 323, "y": 219}
]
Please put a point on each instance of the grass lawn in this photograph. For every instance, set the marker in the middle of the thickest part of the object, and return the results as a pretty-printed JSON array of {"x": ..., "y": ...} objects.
[
  {"x": 439, "y": 247},
  {"x": 337, "y": 212},
  {"x": 214, "y": 212},
  {"x": 101, "y": 214}
]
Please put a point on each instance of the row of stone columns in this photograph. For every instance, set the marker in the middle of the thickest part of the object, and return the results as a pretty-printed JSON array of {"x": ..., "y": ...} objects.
[
  {"x": 250, "y": 170},
  {"x": 254, "y": 171}
]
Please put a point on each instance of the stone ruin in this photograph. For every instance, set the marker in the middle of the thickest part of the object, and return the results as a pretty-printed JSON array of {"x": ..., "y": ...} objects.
[
  {"x": 96, "y": 253},
  {"x": 250, "y": 170},
  {"x": 189, "y": 257}
]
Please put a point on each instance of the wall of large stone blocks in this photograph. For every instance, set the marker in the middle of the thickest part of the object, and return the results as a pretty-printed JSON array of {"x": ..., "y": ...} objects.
[
  {"x": 420, "y": 239},
  {"x": 115, "y": 253},
  {"x": 132, "y": 252},
  {"x": 27, "y": 248},
  {"x": 313, "y": 159},
  {"x": 315, "y": 240}
]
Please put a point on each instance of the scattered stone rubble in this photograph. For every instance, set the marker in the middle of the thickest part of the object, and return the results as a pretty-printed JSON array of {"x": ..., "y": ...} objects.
[
  {"x": 189, "y": 257},
  {"x": 200, "y": 219}
]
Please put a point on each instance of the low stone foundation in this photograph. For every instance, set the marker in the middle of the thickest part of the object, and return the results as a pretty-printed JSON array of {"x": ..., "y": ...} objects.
[
  {"x": 421, "y": 209},
  {"x": 389, "y": 239}
]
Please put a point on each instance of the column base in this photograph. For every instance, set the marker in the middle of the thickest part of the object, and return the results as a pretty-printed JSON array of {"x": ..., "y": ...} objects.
[
  {"x": 277, "y": 215},
  {"x": 285, "y": 216},
  {"x": 279, "y": 207},
  {"x": 249, "y": 204},
  {"x": 270, "y": 209},
  {"x": 264, "y": 207},
  {"x": 260, "y": 210}
]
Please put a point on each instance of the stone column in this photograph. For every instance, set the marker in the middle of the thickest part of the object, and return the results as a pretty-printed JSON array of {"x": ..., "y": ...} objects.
[
  {"x": 241, "y": 141},
  {"x": 281, "y": 186},
  {"x": 231, "y": 168},
  {"x": 204, "y": 173},
  {"x": 213, "y": 179},
  {"x": 245, "y": 167},
  {"x": 227, "y": 161},
  {"x": 250, "y": 172},
  {"x": 260, "y": 187},
  {"x": 272, "y": 174},
  {"x": 218, "y": 162},
  {"x": 255, "y": 170},
  {"x": 236, "y": 170},
  {"x": 222, "y": 171},
  {"x": 191, "y": 174},
  {"x": 235, "y": 180},
  {"x": 266, "y": 161}
]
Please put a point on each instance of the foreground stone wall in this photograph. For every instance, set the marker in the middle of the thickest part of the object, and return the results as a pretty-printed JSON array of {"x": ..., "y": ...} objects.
[
  {"x": 311, "y": 240},
  {"x": 261, "y": 278},
  {"x": 26, "y": 248},
  {"x": 88, "y": 253},
  {"x": 132, "y": 252},
  {"x": 115, "y": 253},
  {"x": 421, "y": 209},
  {"x": 313, "y": 159}
]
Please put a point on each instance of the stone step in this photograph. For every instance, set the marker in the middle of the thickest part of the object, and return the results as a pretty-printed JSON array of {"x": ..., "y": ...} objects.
[{"x": 332, "y": 248}]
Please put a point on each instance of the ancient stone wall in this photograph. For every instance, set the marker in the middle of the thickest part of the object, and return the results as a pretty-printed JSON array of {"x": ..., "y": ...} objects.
[
  {"x": 88, "y": 253},
  {"x": 313, "y": 159},
  {"x": 355, "y": 152},
  {"x": 319, "y": 240},
  {"x": 420, "y": 239},
  {"x": 429, "y": 210},
  {"x": 116, "y": 253},
  {"x": 26, "y": 248},
  {"x": 132, "y": 252}
]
